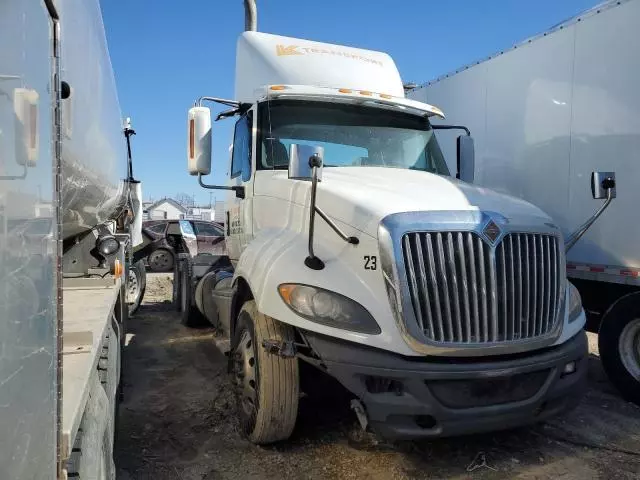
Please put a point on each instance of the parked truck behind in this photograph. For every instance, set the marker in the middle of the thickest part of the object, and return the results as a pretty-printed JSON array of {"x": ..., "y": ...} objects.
[
  {"x": 547, "y": 113},
  {"x": 443, "y": 307}
]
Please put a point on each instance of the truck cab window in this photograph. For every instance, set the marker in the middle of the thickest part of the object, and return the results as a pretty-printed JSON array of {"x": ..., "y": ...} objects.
[
  {"x": 351, "y": 135},
  {"x": 241, "y": 156}
]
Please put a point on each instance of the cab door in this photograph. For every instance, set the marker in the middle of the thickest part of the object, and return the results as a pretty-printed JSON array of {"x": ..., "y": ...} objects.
[{"x": 238, "y": 221}]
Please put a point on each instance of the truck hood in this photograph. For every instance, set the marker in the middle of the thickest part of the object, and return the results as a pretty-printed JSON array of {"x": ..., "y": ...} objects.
[{"x": 362, "y": 196}]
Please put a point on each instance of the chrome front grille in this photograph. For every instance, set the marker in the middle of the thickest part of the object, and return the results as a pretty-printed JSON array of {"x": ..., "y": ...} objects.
[{"x": 464, "y": 291}]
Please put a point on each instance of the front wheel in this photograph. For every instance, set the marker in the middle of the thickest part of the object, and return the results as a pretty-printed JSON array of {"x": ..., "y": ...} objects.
[
  {"x": 267, "y": 385},
  {"x": 619, "y": 345}
]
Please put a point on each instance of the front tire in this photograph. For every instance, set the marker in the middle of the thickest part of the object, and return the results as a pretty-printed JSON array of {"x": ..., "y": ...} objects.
[
  {"x": 619, "y": 345},
  {"x": 267, "y": 385}
]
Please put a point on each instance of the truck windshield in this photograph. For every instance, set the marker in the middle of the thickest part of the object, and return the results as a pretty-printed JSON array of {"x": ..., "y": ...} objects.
[{"x": 351, "y": 135}]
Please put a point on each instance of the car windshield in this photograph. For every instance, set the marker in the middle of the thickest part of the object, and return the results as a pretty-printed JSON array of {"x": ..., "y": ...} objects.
[{"x": 351, "y": 135}]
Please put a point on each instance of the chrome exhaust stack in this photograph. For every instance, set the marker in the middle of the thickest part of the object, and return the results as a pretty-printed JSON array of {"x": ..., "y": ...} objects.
[{"x": 250, "y": 16}]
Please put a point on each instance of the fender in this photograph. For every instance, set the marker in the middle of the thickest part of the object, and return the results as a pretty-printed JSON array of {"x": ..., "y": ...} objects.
[{"x": 276, "y": 256}]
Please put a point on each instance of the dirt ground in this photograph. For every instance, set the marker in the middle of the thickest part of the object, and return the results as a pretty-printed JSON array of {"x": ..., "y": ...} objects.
[{"x": 177, "y": 422}]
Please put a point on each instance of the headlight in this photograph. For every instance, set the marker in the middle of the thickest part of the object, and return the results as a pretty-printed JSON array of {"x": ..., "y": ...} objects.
[
  {"x": 328, "y": 308},
  {"x": 108, "y": 245},
  {"x": 575, "y": 302}
]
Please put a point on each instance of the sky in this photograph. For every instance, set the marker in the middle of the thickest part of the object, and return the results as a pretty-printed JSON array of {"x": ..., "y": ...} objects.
[{"x": 166, "y": 54}]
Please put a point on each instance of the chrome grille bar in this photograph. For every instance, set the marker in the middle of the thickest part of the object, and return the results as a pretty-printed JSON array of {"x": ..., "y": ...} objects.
[
  {"x": 422, "y": 276},
  {"x": 434, "y": 283},
  {"x": 465, "y": 286},
  {"x": 475, "y": 337},
  {"x": 457, "y": 323}
]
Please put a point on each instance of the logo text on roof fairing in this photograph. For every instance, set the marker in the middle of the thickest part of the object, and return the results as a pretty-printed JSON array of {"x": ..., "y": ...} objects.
[{"x": 284, "y": 50}]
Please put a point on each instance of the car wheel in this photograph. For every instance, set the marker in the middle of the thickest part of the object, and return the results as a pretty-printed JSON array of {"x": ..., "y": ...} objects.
[{"x": 160, "y": 260}]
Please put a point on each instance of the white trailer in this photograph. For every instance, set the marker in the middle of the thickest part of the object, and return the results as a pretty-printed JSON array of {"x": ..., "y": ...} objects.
[
  {"x": 356, "y": 250},
  {"x": 547, "y": 112},
  {"x": 69, "y": 220}
]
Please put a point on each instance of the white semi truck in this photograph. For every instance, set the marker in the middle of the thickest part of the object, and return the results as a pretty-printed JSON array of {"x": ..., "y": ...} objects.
[
  {"x": 546, "y": 113},
  {"x": 69, "y": 221},
  {"x": 442, "y": 306}
]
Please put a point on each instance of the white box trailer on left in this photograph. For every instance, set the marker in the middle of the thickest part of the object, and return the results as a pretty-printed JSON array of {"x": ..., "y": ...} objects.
[{"x": 545, "y": 114}]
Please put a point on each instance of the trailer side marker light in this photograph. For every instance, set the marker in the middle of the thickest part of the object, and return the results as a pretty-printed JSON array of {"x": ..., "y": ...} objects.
[
  {"x": 345, "y": 90},
  {"x": 365, "y": 92},
  {"x": 118, "y": 269},
  {"x": 277, "y": 87},
  {"x": 192, "y": 138},
  {"x": 33, "y": 126},
  {"x": 384, "y": 95}
]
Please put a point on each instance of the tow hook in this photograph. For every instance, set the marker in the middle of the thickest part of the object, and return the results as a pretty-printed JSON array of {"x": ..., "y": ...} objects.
[
  {"x": 357, "y": 407},
  {"x": 282, "y": 349}
]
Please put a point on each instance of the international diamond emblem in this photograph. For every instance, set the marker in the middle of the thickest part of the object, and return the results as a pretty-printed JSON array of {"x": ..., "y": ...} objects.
[{"x": 491, "y": 231}]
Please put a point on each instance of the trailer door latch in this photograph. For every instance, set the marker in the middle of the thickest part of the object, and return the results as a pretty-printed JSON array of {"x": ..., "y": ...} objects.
[{"x": 285, "y": 349}]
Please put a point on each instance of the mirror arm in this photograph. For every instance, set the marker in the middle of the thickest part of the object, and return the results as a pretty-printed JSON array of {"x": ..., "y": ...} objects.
[
  {"x": 575, "y": 236},
  {"x": 223, "y": 101},
  {"x": 341, "y": 234},
  {"x": 240, "y": 106},
  {"x": 228, "y": 113},
  {"x": 451, "y": 127},
  {"x": 312, "y": 261},
  {"x": 239, "y": 189}
]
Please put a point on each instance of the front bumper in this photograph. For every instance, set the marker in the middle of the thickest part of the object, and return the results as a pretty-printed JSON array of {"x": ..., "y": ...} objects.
[{"x": 428, "y": 397}]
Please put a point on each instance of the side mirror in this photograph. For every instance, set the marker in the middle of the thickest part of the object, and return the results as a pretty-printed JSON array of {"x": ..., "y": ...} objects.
[
  {"x": 300, "y": 167},
  {"x": 465, "y": 158},
  {"x": 601, "y": 182},
  {"x": 199, "y": 141}
]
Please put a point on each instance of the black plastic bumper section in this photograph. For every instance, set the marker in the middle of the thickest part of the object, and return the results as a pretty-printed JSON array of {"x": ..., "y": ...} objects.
[{"x": 435, "y": 397}]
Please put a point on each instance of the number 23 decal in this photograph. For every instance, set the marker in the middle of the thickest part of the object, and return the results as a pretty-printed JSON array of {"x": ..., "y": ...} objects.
[{"x": 370, "y": 262}]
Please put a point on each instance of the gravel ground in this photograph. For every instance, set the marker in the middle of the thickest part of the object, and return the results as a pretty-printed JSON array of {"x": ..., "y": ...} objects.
[{"x": 177, "y": 422}]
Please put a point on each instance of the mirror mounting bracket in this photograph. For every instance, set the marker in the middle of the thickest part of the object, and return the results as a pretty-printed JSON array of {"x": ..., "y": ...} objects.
[
  {"x": 239, "y": 189},
  {"x": 601, "y": 183}
]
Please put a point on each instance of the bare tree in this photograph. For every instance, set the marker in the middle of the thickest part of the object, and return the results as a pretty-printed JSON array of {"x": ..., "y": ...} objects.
[{"x": 185, "y": 199}]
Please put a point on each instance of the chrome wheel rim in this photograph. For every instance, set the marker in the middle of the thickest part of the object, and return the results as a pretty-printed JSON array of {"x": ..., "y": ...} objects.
[
  {"x": 629, "y": 348},
  {"x": 160, "y": 260},
  {"x": 245, "y": 374},
  {"x": 133, "y": 286}
]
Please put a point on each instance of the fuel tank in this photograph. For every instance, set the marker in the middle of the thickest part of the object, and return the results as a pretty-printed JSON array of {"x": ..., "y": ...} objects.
[{"x": 94, "y": 161}]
